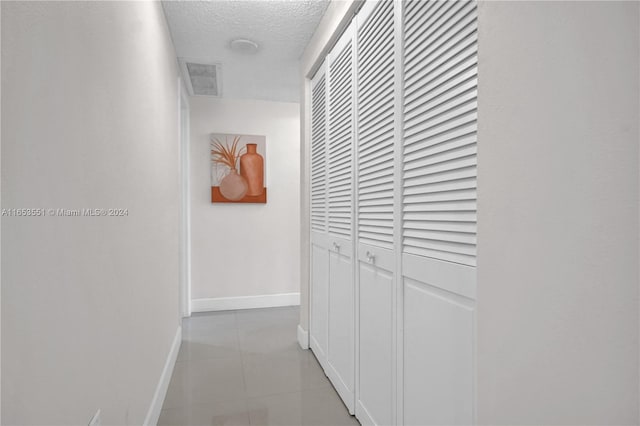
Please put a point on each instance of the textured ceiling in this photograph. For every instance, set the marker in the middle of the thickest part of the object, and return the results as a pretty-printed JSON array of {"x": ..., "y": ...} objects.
[{"x": 203, "y": 31}]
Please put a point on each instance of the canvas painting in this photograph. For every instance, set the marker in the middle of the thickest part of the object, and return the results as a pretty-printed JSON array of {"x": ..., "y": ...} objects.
[{"x": 238, "y": 168}]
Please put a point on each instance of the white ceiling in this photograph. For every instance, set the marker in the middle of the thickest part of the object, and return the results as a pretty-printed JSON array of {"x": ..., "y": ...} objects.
[{"x": 202, "y": 30}]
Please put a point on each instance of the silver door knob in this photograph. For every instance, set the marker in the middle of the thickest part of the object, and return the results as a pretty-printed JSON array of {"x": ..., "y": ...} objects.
[
  {"x": 336, "y": 246},
  {"x": 370, "y": 256}
]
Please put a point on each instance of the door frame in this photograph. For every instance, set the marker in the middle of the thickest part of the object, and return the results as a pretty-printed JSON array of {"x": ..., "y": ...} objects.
[{"x": 185, "y": 200}]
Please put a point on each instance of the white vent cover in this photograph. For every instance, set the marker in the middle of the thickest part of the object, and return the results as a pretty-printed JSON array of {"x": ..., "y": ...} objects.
[{"x": 202, "y": 79}]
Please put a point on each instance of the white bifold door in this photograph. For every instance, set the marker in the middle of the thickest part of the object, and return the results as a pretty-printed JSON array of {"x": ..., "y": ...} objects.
[
  {"x": 393, "y": 213},
  {"x": 340, "y": 360},
  {"x": 332, "y": 192},
  {"x": 439, "y": 124},
  {"x": 376, "y": 256},
  {"x": 319, "y": 289}
]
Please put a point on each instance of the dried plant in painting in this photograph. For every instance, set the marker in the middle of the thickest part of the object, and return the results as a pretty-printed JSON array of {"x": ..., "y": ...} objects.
[
  {"x": 233, "y": 186},
  {"x": 225, "y": 154}
]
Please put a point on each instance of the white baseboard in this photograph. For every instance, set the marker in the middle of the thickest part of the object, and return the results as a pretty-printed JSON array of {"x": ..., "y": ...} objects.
[
  {"x": 303, "y": 337},
  {"x": 245, "y": 302},
  {"x": 163, "y": 384}
]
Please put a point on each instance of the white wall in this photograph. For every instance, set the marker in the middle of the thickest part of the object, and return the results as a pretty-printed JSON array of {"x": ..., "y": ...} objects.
[
  {"x": 558, "y": 213},
  {"x": 245, "y": 249},
  {"x": 89, "y": 304}
]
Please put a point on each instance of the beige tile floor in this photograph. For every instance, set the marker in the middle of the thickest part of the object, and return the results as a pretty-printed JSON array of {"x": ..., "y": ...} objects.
[{"x": 246, "y": 368}]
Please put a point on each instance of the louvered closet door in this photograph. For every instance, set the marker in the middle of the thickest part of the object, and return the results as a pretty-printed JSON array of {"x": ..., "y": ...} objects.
[
  {"x": 439, "y": 210},
  {"x": 341, "y": 366},
  {"x": 319, "y": 291},
  {"x": 375, "y": 225}
]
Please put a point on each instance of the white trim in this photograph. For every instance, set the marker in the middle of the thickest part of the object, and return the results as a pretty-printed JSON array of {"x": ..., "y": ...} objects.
[
  {"x": 185, "y": 199},
  {"x": 303, "y": 337},
  {"x": 163, "y": 384},
  {"x": 245, "y": 302}
]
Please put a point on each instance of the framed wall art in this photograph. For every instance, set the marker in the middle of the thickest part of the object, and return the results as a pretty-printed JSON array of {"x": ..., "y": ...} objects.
[{"x": 238, "y": 168}]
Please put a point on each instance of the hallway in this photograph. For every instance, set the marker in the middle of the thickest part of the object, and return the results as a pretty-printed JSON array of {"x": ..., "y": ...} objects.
[
  {"x": 208, "y": 205},
  {"x": 245, "y": 367}
]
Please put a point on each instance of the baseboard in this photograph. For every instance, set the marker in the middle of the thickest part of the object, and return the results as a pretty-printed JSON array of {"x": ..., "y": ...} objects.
[
  {"x": 245, "y": 302},
  {"x": 163, "y": 384},
  {"x": 303, "y": 337}
]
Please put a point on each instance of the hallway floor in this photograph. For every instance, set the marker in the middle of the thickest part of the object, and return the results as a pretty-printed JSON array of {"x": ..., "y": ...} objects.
[{"x": 246, "y": 368}]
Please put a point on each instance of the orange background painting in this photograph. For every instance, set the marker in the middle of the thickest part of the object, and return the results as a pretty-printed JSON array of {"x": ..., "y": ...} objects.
[
  {"x": 216, "y": 197},
  {"x": 238, "y": 168}
]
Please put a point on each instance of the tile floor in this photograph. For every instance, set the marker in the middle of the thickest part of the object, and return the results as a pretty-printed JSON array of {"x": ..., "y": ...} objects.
[{"x": 246, "y": 368}]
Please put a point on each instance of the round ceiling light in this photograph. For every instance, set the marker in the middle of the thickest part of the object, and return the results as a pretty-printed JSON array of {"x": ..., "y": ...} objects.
[{"x": 243, "y": 45}]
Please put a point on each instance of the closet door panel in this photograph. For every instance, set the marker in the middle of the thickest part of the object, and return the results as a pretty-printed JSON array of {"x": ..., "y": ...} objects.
[
  {"x": 319, "y": 279},
  {"x": 439, "y": 147},
  {"x": 375, "y": 96},
  {"x": 319, "y": 327},
  {"x": 376, "y": 155},
  {"x": 339, "y": 192},
  {"x": 439, "y": 130},
  {"x": 438, "y": 356},
  {"x": 340, "y": 211},
  {"x": 375, "y": 397},
  {"x": 318, "y": 152},
  {"x": 341, "y": 330}
]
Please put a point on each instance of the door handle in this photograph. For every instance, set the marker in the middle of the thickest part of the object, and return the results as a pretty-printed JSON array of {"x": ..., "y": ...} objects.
[
  {"x": 336, "y": 246},
  {"x": 370, "y": 256}
]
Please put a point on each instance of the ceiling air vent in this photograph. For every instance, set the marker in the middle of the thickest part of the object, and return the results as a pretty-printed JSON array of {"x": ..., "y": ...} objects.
[{"x": 202, "y": 79}]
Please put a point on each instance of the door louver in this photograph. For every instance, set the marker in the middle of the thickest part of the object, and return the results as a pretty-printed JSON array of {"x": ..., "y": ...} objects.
[
  {"x": 439, "y": 130},
  {"x": 376, "y": 127},
  {"x": 339, "y": 166}
]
